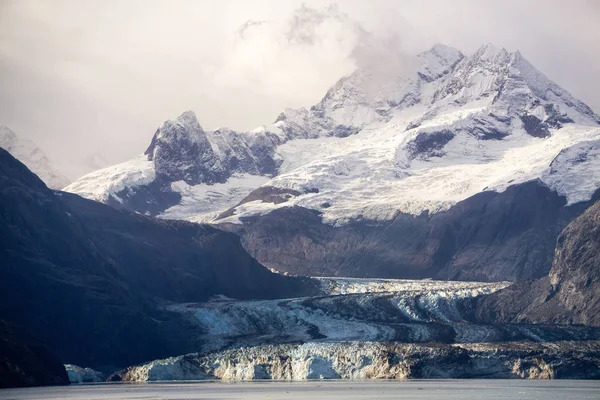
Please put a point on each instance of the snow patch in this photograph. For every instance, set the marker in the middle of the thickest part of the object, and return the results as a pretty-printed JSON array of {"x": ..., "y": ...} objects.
[
  {"x": 102, "y": 184},
  {"x": 201, "y": 202}
]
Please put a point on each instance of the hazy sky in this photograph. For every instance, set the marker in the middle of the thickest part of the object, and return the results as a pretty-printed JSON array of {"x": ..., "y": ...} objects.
[{"x": 83, "y": 77}]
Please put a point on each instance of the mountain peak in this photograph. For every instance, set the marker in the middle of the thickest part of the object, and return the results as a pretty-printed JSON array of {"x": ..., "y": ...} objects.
[
  {"x": 181, "y": 150},
  {"x": 185, "y": 128},
  {"x": 443, "y": 48},
  {"x": 491, "y": 51},
  {"x": 438, "y": 61},
  {"x": 189, "y": 118}
]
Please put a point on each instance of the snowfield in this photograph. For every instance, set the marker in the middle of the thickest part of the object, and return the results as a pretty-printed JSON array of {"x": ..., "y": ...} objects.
[
  {"x": 203, "y": 202},
  {"x": 337, "y": 286},
  {"x": 346, "y": 181},
  {"x": 107, "y": 182}
]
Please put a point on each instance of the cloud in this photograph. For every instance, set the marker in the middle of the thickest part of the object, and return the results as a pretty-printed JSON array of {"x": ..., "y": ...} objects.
[
  {"x": 295, "y": 58},
  {"x": 85, "y": 76},
  {"x": 248, "y": 25}
]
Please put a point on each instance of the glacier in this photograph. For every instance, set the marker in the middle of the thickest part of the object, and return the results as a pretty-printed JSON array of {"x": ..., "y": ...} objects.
[
  {"x": 367, "y": 360},
  {"x": 371, "y": 329},
  {"x": 79, "y": 374},
  {"x": 363, "y": 310}
]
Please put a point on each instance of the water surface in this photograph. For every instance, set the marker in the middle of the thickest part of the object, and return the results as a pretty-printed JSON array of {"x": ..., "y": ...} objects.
[{"x": 347, "y": 390}]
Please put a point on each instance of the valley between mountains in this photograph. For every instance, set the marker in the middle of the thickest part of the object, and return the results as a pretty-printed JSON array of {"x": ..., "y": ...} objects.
[{"x": 440, "y": 224}]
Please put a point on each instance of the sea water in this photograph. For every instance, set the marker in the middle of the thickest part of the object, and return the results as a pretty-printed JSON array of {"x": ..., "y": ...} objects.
[{"x": 347, "y": 390}]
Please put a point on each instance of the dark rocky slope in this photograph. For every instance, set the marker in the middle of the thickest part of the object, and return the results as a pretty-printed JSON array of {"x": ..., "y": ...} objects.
[
  {"x": 489, "y": 237},
  {"x": 89, "y": 280},
  {"x": 570, "y": 294},
  {"x": 26, "y": 362}
]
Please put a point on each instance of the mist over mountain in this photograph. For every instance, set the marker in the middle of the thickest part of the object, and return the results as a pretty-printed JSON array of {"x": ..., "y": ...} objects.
[{"x": 28, "y": 153}]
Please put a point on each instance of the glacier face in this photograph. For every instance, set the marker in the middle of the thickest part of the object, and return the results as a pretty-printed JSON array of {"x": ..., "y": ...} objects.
[
  {"x": 458, "y": 126},
  {"x": 368, "y": 360},
  {"x": 371, "y": 329},
  {"x": 29, "y": 154},
  {"x": 78, "y": 374}
]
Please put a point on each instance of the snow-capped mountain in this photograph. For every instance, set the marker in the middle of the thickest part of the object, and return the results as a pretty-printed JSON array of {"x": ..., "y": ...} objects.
[
  {"x": 182, "y": 157},
  {"x": 29, "y": 154},
  {"x": 376, "y": 147},
  {"x": 493, "y": 122}
]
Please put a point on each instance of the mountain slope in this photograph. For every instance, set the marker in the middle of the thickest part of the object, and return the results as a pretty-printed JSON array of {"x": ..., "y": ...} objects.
[
  {"x": 26, "y": 362},
  {"x": 382, "y": 150},
  {"x": 570, "y": 294},
  {"x": 488, "y": 237},
  {"x": 28, "y": 153},
  {"x": 100, "y": 276}
]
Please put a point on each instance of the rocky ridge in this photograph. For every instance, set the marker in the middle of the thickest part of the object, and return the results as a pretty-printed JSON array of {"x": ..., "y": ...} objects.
[{"x": 570, "y": 294}]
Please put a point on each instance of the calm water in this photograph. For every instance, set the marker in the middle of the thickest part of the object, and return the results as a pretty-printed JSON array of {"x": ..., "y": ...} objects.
[{"x": 451, "y": 389}]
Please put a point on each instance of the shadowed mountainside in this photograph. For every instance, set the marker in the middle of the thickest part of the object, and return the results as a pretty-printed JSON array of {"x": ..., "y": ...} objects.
[
  {"x": 26, "y": 362},
  {"x": 488, "y": 237},
  {"x": 570, "y": 294},
  {"x": 88, "y": 280}
]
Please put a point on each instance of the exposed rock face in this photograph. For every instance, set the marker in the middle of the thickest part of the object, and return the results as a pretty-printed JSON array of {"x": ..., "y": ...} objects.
[
  {"x": 570, "y": 294},
  {"x": 83, "y": 375},
  {"x": 24, "y": 361},
  {"x": 575, "y": 273},
  {"x": 97, "y": 275},
  {"x": 429, "y": 145},
  {"x": 489, "y": 237},
  {"x": 181, "y": 152},
  {"x": 364, "y": 360}
]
